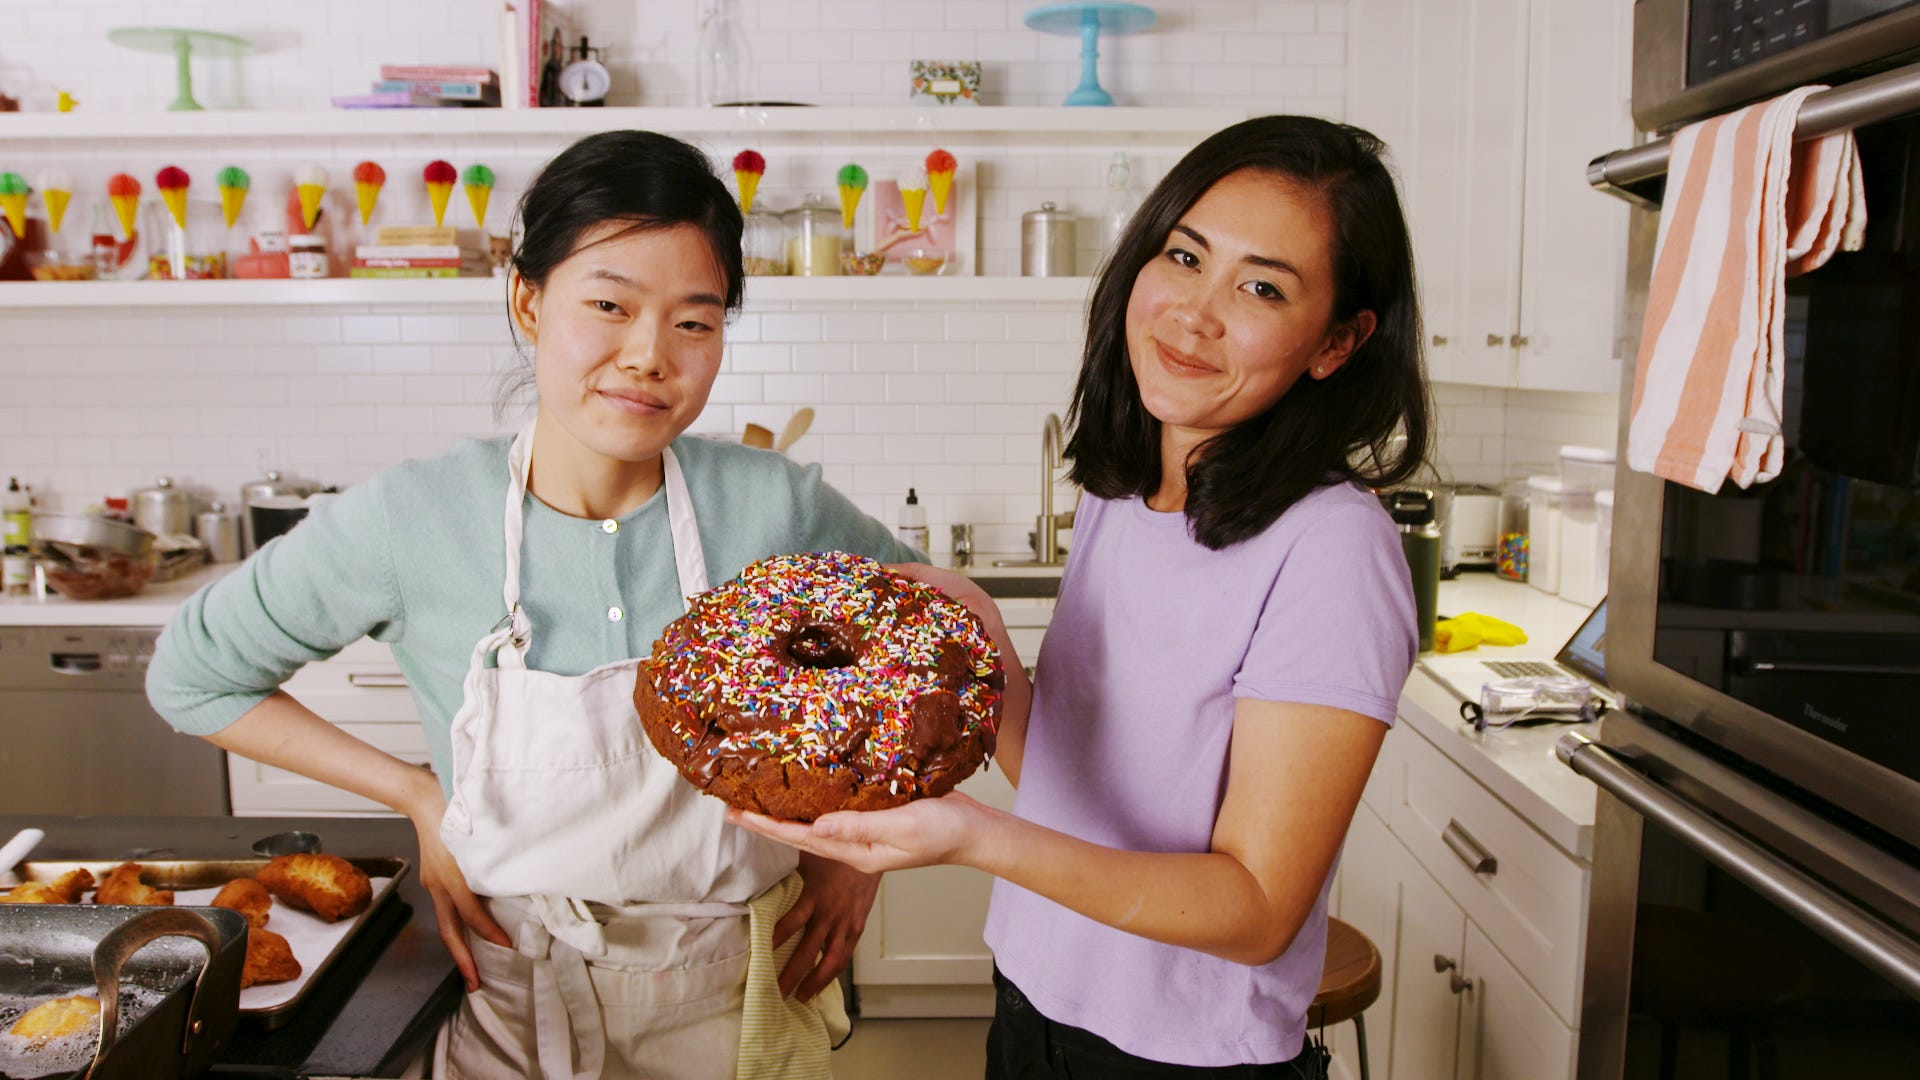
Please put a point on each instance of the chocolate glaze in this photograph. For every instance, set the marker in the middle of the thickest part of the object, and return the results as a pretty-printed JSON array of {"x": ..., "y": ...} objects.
[{"x": 943, "y": 746}]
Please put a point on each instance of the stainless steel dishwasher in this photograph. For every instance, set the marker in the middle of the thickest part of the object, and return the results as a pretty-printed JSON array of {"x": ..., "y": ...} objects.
[{"x": 78, "y": 737}]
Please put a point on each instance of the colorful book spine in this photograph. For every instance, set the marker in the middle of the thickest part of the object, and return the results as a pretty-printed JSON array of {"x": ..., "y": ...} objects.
[
  {"x": 409, "y": 251},
  {"x": 396, "y": 99},
  {"x": 483, "y": 93},
  {"x": 416, "y": 236},
  {"x": 403, "y": 272},
  {"x": 406, "y": 264},
  {"x": 437, "y": 73}
]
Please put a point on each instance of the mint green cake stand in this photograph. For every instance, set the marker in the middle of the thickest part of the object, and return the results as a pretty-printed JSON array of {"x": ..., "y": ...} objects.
[
  {"x": 181, "y": 43},
  {"x": 1087, "y": 20}
]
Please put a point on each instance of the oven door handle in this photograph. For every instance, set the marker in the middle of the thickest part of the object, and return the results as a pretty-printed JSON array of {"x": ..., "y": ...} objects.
[{"x": 1853, "y": 929}]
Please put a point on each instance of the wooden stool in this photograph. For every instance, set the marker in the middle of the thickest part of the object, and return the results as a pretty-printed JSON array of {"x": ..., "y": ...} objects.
[{"x": 1349, "y": 983}]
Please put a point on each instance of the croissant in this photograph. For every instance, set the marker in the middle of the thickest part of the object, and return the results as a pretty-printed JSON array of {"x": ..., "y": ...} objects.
[
  {"x": 269, "y": 959},
  {"x": 123, "y": 886},
  {"x": 65, "y": 889},
  {"x": 248, "y": 897},
  {"x": 327, "y": 885}
]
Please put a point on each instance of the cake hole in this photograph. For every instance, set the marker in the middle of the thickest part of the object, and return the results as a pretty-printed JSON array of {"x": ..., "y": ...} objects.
[{"x": 814, "y": 647}]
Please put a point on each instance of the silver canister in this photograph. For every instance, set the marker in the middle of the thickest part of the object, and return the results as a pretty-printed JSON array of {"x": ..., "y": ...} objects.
[
  {"x": 163, "y": 509},
  {"x": 1046, "y": 242},
  {"x": 219, "y": 529}
]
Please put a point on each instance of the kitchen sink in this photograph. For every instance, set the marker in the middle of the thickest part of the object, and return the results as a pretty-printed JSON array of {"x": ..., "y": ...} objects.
[{"x": 1012, "y": 586}]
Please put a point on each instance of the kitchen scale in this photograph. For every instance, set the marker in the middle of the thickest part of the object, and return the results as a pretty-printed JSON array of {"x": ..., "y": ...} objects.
[{"x": 181, "y": 42}]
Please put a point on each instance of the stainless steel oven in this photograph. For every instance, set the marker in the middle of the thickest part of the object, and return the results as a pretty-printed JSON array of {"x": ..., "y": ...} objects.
[{"x": 1756, "y": 888}]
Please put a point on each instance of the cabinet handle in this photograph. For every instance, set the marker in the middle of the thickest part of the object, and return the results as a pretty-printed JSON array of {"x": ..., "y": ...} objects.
[
  {"x": 1443, "y": 963},
  {"x": 1459, "y": 983},
  {"x": 1520, "y": 341},
  {"x": 1439, "y": 339},
  {"x": 386, "y": 680},
  {"x": 1468, "y": 850},
  {"x": 1495, "y": 339}
]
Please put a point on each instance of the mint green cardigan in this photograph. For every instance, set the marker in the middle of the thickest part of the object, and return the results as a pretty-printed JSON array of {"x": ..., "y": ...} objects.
[{"x": 414, "y": 557}]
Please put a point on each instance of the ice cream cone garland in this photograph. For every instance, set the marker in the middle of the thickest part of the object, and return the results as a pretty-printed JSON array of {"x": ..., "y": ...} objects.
[
  {"x": 13, "y": 201},
  {"x": 124, "y": 191},
  {"x": 311, "y": 184},
  {"x": 913, "y": 196},
  {"x": 368, "y": 178},
  {"x": 853, "y": 184},
  {"x": 232, "y": 183},
  {"x": 55, "y": 188},
  {"x": 940, "y": 166},
  {"x": 440, "y": 177},
  {"x": 478, "y": 182},
  {"x": 748, "y": 167},
  {"x": 172, "y": 182}
]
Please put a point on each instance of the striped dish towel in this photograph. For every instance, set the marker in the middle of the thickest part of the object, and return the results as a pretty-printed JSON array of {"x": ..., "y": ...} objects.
[{"x": 1745, "y": 207}]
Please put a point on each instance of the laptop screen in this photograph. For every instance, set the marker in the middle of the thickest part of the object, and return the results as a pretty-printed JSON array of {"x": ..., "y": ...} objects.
[{"x": 1586, "y": 651}]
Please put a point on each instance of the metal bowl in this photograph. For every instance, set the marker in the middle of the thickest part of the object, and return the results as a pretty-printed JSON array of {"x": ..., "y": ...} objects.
[
  {"x": 113, "y": 537},
  {"x": 93, "y": 558}
]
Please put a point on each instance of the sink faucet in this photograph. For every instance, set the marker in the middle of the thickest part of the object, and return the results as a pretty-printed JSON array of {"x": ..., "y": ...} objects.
[{"x": 1046, "y": 539}]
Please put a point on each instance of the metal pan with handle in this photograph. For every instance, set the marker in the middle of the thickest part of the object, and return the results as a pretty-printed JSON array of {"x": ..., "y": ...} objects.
[{"x": 190, "y": 959}]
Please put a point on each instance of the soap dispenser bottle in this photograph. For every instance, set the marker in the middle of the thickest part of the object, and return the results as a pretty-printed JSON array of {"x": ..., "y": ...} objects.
[{"x": 912, "y": 529}]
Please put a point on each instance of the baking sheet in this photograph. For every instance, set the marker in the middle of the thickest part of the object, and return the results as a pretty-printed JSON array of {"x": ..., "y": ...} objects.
[
  {"x": 313, "y": 940},
  {"x": 195, "y": 882}
]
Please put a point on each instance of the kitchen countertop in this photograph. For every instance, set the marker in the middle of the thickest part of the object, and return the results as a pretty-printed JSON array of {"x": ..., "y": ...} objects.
[
  {"x": 154, "y": 605},
  {"x": 1517, "y": 764},
  {"x": 375, "y": 1012}
]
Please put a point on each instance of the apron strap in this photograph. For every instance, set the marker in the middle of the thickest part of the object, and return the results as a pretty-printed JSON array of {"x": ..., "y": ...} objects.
[
  {"x": 689, "y": 556},
  {"x": 558, "y": 935}
]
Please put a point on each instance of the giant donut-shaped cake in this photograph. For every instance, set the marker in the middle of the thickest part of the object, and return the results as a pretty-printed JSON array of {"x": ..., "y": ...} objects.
[{"x": 821, "y": 682}]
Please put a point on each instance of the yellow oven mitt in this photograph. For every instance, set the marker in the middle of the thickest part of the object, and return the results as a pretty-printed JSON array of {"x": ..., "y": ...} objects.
[{"x": 1463, "y": 632}]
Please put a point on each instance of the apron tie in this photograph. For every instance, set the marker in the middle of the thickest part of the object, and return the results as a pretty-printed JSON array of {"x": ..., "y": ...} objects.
[{"x": 558, "y": 935}]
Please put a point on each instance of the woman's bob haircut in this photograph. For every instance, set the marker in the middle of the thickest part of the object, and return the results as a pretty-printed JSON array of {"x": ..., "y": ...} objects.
[{"x": 1347, "y": 426}]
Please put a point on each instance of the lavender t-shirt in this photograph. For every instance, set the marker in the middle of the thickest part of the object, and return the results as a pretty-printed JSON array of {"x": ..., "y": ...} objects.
[{"x": 1154, "y": 638}]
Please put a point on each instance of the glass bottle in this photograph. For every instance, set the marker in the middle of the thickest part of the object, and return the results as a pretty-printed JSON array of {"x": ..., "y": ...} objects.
[
  {"x": 1121, "y": 202},
  {"x": 724, "y": 66}
]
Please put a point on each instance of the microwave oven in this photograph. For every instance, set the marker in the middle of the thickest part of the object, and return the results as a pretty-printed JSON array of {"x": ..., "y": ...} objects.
[{"x": 1694, "y": 58}]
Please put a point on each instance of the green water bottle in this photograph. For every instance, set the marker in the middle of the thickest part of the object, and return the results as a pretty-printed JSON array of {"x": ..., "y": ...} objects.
[{"x": 1412, "y": 511}]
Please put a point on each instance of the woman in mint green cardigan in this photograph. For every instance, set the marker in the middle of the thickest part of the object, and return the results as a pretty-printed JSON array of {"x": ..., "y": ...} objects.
[{"x": 515, "y": 583}]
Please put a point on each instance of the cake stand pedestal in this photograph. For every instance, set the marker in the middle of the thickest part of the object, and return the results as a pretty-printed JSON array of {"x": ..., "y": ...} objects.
[
  {"x": 1087, "y": 18},
  {"x": 181, "y": 43}
]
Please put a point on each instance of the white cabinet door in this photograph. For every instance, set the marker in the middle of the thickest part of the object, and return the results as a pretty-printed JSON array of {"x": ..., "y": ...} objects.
[
  {"x": 1371, "y": 866},
  {"x": 1426, "y": 1008},
  {"x": 1574, "y": 254},
  {"x": 1506, "y": 1031},
  {"x": 1496, "y": 108}
]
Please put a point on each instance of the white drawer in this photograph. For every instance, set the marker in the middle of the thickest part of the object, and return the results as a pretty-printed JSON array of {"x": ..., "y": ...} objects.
[
  {"x": 362, "y": 684},
  {"x": 1532, "y": 904}
]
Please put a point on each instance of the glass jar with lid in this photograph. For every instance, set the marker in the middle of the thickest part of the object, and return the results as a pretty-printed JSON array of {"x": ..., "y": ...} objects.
[
  {"x": 814, "y": 235},
  {"x": 763, "y": 244}
]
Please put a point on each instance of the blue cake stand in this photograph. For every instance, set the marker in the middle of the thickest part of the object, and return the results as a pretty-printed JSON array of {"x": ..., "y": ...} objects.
[{"x": 1087, "y": 19}]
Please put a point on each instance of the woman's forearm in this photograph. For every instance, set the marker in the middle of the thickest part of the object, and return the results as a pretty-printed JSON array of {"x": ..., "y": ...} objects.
[
  {"x": 287, "y": 735},
  {"x": 1016, "y": 700},
  {"x": 1208, "y": 901}
]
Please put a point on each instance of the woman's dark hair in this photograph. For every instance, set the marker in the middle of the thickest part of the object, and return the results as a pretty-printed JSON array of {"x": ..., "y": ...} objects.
[
  {"x": 641, "y": 178},
  {"x": 1345, "y": 426}
]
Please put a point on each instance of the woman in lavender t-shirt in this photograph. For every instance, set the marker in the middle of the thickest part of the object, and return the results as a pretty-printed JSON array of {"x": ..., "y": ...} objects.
[{"x": 1234, "y": 627}]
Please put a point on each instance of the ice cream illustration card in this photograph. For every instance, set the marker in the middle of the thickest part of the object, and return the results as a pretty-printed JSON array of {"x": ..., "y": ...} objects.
[{"x": 922, "y": 218}]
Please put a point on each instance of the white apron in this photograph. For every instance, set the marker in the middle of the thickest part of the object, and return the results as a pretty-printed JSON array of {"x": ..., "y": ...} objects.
[{"x": 561, "y": 812}]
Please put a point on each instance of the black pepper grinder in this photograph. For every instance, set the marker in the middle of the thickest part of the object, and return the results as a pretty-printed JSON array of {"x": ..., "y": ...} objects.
[{"x": 1412, "y": 510}]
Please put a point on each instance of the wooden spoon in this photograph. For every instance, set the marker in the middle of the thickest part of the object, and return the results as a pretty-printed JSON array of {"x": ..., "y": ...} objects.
[
  {"x": 758, "y": 437},
  {"x": 797, "y": 425}
]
